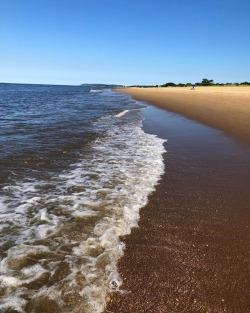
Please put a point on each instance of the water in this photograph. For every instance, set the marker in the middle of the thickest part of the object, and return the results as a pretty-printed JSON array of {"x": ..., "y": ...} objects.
[{"x": 76, "y": 167}]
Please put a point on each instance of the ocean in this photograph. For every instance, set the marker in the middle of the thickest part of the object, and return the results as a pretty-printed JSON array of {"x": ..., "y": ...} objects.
[{"x": 76, "y": 166}]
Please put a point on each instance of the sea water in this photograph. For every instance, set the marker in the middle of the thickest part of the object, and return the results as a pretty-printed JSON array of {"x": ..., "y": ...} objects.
[{"x": 75, "y": 168}]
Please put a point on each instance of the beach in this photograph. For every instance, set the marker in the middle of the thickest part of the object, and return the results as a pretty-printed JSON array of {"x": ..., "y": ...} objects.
[
  {"x": 225, "y": 108},
  {"x": 190, "y": 252}
]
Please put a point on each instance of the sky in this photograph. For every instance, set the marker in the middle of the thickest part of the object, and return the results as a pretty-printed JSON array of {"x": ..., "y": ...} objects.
[{"x": 124, "y": 42}]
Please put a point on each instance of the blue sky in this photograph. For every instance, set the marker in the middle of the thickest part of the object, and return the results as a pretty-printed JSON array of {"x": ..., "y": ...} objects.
[{"x": 124, "y": 42}]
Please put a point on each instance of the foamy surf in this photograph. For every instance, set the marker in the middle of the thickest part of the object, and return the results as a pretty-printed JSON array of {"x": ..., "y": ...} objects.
[
  {"x": 121, "y": 113},
  {"x": 99, "y": 90},
  {"x": 62, "y": 247}
]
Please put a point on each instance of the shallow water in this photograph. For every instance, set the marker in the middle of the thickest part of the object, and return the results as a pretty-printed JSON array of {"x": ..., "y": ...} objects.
[{"x": 76, "y": 167}]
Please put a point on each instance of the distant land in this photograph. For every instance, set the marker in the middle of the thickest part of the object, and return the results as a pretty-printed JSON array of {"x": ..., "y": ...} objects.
[{"x": 204, "y": 82}]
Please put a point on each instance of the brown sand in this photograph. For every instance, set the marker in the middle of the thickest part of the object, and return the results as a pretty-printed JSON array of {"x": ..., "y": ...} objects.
[
  {"x": 225, "y": 108},
  {"x": 191, "y": 250}
]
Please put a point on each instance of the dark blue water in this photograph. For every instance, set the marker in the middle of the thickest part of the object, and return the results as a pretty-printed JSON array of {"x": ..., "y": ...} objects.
[
  {"x": 46, "y": 126},
  {"x": 75, "y": 169}
]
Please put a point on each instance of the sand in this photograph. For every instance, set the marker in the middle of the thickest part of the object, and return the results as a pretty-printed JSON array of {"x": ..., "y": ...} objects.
[
  {"x": 225, "y": 108},
  {"x": 190, "y": 252}
]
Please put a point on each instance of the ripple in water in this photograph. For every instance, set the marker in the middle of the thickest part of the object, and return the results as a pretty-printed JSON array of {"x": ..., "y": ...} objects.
[{"x": 60, "y": 237}]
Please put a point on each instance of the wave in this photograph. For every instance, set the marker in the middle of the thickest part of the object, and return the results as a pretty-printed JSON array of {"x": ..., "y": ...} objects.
[
  {"x": 121, "y": 113},
  {"x": 99, "y": 90},
  {"x": 63, "y": 235}
]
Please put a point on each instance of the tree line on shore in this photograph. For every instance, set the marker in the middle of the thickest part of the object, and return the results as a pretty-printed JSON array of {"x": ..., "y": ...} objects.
[{"x": 204, "y": 82}]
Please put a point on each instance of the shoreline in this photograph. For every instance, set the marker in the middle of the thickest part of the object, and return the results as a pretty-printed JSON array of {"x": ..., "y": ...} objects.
[
  {"x": 190, "y": 251},
  {"x": 223, "y": 108}
]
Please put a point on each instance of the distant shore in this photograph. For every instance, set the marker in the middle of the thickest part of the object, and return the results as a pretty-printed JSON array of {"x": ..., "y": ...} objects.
[{"x": 224, "y": 108}]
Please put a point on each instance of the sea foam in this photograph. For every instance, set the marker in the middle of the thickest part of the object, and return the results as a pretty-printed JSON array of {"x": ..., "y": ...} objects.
[{"x": 65, "y": 241}]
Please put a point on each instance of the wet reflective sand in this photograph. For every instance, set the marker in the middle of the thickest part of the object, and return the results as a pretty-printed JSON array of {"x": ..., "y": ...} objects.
[{"x": 190, "y": 252}]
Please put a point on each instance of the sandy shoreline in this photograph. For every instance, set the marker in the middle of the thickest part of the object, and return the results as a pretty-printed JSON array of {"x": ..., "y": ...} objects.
[
  {"x": 191, "y": 250},
  {"x": 225, "y": 108}
]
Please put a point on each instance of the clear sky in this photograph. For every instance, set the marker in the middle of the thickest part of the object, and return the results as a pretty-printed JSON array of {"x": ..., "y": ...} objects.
[{"x": 124, "y": 42}]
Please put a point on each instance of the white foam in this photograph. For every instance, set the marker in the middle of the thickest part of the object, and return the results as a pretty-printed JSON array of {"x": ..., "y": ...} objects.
[
  {"x": 14, "y": 303},
  {"x": 10, "y": 281},
  {"x": 44, "y": 216},
  {"x": 89, "y": 207},
  {"x": 99, "y": 90},
  {"x": 95, "y": 90},
  {"x": 121, "y": 113},
  {"x": 43, "y": 231},
  {"x": 84, "y": 213}
]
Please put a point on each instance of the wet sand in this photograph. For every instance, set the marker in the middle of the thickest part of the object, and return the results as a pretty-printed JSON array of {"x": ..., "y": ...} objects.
[{"x": 190, "y": 252}]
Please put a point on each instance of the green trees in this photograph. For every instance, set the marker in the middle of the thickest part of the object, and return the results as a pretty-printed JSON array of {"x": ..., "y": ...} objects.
[
  {"x": 169, "y": 85},
  {"x": 204, "y": 82},
  {"x": 207, "y": 82}
]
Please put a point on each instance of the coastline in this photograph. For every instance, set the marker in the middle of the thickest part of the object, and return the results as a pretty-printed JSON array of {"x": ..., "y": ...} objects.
[
  {"x": 224, "y": 108},
  {"x": 190, "y": 251}
]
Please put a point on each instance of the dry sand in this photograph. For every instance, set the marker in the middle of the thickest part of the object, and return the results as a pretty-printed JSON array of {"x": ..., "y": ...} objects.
[
  {"x": 190, "y": 253},
  {"x": 225, "y": 108}
]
